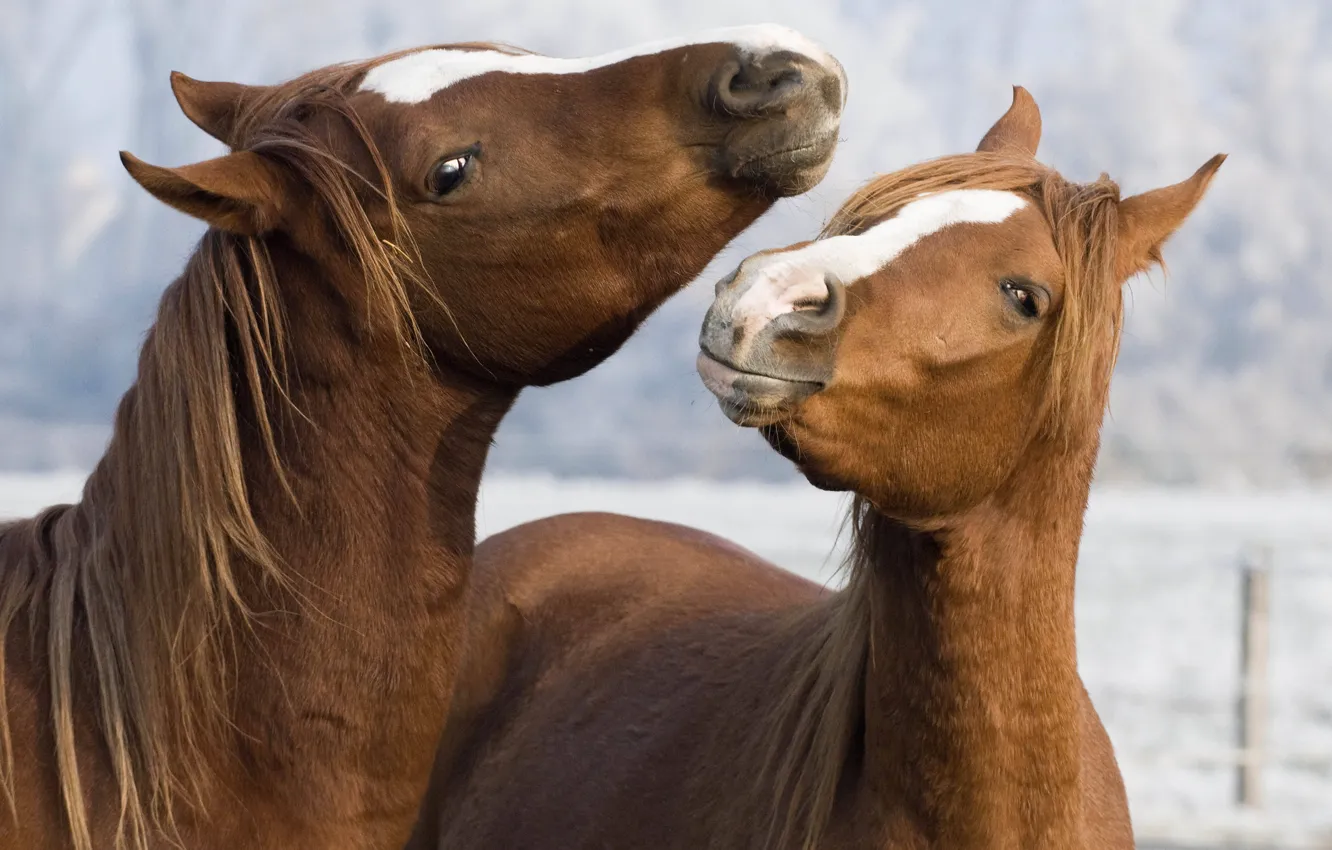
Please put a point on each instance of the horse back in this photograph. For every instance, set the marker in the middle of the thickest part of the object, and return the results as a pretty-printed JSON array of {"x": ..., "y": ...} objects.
[
  {"x": 588, "y": 617},
  {"x": 545, "y": 592}
]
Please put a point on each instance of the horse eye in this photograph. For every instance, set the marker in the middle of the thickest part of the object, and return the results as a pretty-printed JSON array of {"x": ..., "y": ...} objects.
[
  {"x": 448, "y": 174},
  {"x": 1023, "y": 298}
]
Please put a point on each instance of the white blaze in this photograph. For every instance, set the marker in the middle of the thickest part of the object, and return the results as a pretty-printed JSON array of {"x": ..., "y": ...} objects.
[
  {"x": 414, "y": 78},
  {"x": 782, "y": 280}
]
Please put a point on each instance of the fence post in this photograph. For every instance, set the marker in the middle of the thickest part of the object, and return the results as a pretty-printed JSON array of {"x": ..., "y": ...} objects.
[{"x": 1253, "y": 676}]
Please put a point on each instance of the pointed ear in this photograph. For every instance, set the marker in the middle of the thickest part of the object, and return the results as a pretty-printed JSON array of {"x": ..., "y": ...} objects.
[
  {"x": 1018, "y": 131},
  {"x": 242, "y": 193},
  {"x": 214, "y": 107},
  {"x": 1146, "y": 221}
]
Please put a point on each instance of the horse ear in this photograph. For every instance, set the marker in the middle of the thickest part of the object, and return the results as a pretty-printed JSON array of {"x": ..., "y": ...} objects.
[
  {"x": 214, "y": 107},
  {"x": 1146, "y": 221},
  {"x": 1019, "y": 130},
  {"x": 241, "y": 193}
]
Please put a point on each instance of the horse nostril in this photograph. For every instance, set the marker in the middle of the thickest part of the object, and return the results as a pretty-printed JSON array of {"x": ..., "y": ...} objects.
[
  {"x": 835, "y": 307},
  {"x": 754, "y": 86},
  {"x": 814, "y": 315},
  {"x": 725, "y": 283},
  {"x": 784, "y": 78}
]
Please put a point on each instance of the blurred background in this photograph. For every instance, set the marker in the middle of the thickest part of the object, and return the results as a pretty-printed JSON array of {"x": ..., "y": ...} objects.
[{"x": 1217, "y": 465}]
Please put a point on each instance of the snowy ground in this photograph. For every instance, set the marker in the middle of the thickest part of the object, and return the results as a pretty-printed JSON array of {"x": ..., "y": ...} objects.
[{"x": 1158, "y": 620}]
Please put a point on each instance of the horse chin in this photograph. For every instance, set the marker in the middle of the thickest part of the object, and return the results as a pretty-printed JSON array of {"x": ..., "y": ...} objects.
[
  {"x": 749, "y": 417},
  {"x": 791, "y": 169},
  {"x": 823, "y": 482},
  {"x": 750, "y": 399},
  {"x": 780, "y": 440},
  {"x": 779, "y": 437}
]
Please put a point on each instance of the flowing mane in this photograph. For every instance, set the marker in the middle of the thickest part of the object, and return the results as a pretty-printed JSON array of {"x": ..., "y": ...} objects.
[
  {"x": 811, "y": 732},
  {"x": 132, "y": 597}
]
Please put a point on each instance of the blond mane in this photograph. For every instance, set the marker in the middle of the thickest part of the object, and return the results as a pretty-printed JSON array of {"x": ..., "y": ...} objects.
[{"x": 133, "y": 596}]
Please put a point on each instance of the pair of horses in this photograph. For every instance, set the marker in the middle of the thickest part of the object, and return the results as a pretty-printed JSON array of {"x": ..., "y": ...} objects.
[
  {"x": 267, "y": 607},
  {"x": 944, "y": 351}
]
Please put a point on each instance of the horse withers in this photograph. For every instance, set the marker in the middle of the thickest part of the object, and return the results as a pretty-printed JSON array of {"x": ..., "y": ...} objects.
[
  {"x": 247, "y": 633},
  {"x": 943, "y": 350}
]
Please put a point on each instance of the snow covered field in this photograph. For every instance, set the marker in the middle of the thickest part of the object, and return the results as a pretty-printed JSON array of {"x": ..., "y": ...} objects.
[{"x": 1158, "y": 620}]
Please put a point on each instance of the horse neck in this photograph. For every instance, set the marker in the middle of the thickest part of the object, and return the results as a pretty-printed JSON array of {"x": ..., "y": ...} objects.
[
  {"x": 973, "y": 698},
  {"x": 384, "y": 459},
  {"x": 341, "y": 676},
  {"x": 385, "y": 462}
]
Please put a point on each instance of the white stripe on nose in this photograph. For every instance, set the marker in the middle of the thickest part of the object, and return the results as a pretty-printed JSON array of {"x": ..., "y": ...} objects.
[
  {"x": 416, "y": 77},
  {"x": 777, "y": 283},
  {"x": 778, "y": 286}
]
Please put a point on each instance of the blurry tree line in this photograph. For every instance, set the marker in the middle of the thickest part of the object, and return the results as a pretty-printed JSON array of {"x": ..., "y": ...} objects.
[{"x": 1226, "y": 373}]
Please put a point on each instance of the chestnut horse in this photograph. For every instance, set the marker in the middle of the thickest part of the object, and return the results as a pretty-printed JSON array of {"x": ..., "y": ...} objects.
[
  {"x": 246, "y": 634},
  {"x": 944, "y": 351}
]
